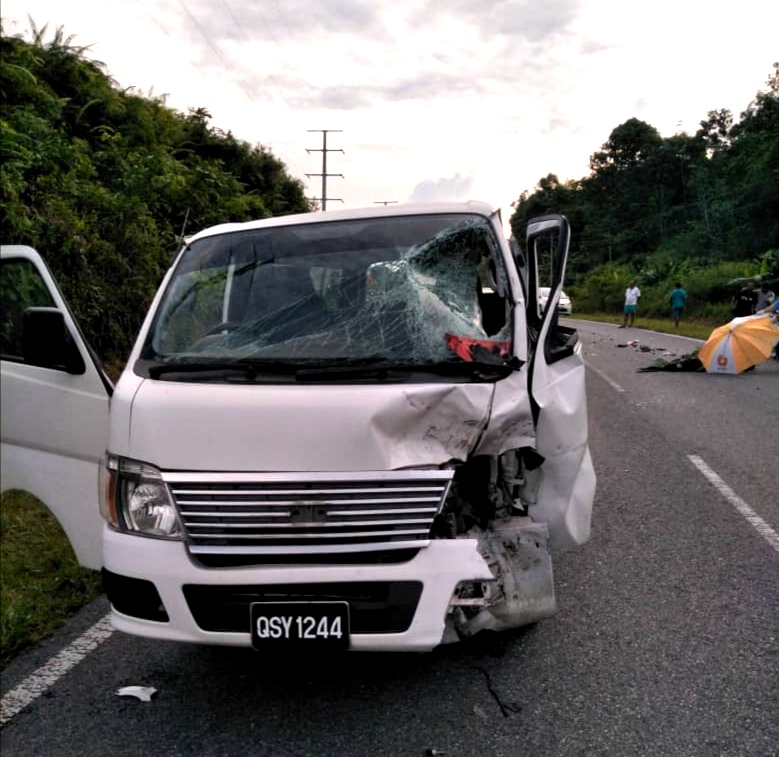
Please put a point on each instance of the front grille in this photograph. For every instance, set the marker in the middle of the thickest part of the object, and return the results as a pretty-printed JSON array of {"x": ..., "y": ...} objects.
[
  {"x": 314, "y": 513},
  {"x": 374, "y": 607}
]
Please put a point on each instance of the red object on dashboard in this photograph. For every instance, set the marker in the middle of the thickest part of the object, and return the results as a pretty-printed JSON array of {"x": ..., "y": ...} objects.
[{"x": 462, "y": 346}]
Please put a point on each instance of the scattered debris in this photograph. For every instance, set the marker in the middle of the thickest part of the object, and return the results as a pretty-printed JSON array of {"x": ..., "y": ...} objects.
[
  {"x": 142, "y": 693},
  {"x": 478, "y": 711},
  {"x": 688, "y": 363},
  {"x": 433, "y": 752}
]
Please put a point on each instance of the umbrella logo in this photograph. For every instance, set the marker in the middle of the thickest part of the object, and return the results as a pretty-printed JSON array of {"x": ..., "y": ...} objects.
[{"x": 722, "y": 361}]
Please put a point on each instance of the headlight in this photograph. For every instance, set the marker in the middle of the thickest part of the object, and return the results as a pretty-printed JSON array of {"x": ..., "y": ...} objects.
[{"x": 137, "y": 500}]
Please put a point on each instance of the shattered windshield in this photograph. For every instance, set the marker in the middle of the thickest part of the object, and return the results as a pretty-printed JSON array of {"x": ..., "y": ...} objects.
[{"x": 394, "y": 288}]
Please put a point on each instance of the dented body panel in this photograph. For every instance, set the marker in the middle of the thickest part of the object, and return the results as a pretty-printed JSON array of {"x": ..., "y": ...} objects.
[
  {"x": 379, "y": 427},
  {"x": 401, "y": 431}
]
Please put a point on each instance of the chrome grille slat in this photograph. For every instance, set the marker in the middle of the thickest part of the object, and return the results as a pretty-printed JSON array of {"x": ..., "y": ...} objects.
[
  {"x": 356, "y": 535},
  {"x": 306, "y": 512},
  {"x": 316, "y": 492},
  {"x": 298, "y": 527},
  {"x": 403, "y": 511},
  {"x": 288, "y": 502},
  {"x": 228, "y": 514}
]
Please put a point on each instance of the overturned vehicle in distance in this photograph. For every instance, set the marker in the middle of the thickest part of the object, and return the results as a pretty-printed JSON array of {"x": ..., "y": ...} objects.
[{"x": 344, "y": 430}]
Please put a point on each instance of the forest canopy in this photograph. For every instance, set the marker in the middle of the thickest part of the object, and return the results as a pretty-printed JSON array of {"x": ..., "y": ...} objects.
[{"x": 700, "y": 207}]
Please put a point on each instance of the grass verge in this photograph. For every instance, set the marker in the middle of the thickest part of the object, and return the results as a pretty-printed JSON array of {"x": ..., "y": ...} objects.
[
  {"x": 693, "y": 329},
  {"x": 41, "y": 583}
]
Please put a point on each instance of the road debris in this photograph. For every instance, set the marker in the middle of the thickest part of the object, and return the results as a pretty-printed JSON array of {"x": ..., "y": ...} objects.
[
  {"x": 478, "y": 711},
  {"x": 142, "y": 693},
  {"x": 433, "y": 752},
  {"x": 688, "y": 363}
]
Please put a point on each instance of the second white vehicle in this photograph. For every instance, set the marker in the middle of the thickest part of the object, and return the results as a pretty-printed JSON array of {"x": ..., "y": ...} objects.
[{"x": 563, "y": 306}]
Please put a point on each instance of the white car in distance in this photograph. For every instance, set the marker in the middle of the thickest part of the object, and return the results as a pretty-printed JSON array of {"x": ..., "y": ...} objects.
[{"x": 564, "y": 306}]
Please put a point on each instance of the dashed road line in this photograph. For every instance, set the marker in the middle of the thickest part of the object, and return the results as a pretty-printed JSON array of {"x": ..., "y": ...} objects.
[
  {"x": 38, "y": 682},
  {"x": 749, "y": 514},
  {"x": 613, "y": 384}
]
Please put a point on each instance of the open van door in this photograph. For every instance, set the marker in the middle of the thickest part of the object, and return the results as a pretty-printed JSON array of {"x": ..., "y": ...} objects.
[
  {"x": 566, "y": 485},
  {"x": 54, "y": 401}
]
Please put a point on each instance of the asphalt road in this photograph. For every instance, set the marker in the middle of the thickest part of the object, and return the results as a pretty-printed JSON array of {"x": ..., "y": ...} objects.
[{"x": 666, "y": 642}]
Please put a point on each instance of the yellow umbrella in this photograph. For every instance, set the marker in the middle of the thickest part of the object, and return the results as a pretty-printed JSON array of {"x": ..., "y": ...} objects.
[{"x": 740, "y": 344}]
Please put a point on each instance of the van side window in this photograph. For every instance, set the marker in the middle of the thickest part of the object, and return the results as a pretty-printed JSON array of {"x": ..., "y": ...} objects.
[{"x": 21, "y": 287}]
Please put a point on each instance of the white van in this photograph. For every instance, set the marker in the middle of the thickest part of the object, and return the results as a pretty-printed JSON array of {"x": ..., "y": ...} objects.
[{"x": 341, "y": 430}]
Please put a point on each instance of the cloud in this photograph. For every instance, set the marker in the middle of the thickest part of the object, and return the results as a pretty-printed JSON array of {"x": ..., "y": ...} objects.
[
  {"x": 425, "y": 86},
  {"x": 455, "y": 188},
  {"x": 282, "y": 21},
  {"x": 533, "y": 20},
  {"x": 592, "y": 47}
]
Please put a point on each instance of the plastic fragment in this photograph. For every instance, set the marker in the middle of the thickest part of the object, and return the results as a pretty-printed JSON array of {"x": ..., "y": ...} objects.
[
  {"x": 478, "y": 711},
  {"x": 142, "y": 693}
]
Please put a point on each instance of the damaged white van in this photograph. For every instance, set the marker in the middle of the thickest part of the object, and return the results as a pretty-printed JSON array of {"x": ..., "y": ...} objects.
[{"x": 342, "y": 430}]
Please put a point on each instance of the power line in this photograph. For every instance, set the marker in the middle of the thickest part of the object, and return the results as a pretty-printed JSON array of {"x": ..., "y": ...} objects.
[
  {"x": 324, "y": 150},
  {"x": 384, "y": 202},
  {"x": 215, "y": 49}
]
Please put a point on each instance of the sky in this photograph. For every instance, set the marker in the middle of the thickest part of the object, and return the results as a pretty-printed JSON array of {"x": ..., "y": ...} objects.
[{"x": 434, "y": 99}]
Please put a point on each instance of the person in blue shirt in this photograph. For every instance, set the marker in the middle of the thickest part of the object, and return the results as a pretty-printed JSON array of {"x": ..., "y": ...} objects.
[{"x": 678, "y": 300}]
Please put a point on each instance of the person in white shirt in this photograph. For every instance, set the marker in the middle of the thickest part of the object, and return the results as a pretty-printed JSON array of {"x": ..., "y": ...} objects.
[{"x": 632, "y": 293}]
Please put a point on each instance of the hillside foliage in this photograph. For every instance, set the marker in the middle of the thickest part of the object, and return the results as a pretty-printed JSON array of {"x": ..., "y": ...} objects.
[{"x": 102, "y": 181}]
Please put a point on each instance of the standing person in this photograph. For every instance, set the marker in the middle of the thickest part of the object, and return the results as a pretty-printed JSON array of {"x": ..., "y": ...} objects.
[
  {"x": 632, "y": 293},
  {"x": 764, "y": 297},
  {"x": 678, "y": 300},
  {"x": 773, "y": 311},
  {"x": 744, "y": 302}
]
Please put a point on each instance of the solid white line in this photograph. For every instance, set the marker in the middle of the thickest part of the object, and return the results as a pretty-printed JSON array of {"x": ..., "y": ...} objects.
[
  {"x": 751, "y": 516},
  {"x": 613, "y": 384},
  {"x": 51, "y": 671}
]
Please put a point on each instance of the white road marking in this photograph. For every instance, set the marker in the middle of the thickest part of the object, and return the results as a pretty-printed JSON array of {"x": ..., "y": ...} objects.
[
  {"x": 613, "y": 384},
  {"x": 51, "y": 671},
  {"x": 751, "y": 516}
]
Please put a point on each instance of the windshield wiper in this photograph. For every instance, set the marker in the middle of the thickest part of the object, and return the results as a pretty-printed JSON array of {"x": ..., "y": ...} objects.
[
  {"x": 380, "y": 370},
  {"x": 249, "y": 368}
]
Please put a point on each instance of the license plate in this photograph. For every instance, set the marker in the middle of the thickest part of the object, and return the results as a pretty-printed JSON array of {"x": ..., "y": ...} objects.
[{"x": 308, "y": 625}]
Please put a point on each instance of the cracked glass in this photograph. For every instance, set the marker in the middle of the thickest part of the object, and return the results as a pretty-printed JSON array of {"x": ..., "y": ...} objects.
[{"x": 417, "y": 289}]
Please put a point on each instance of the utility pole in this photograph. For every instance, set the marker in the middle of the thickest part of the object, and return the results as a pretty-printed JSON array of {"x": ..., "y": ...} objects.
[
  {"x": 384, "y": 202},
  {"x": 324, "y": 150}
]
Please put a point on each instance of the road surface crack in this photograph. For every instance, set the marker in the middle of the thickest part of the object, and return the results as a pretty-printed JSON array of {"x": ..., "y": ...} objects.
[{"x": 506, "y": 708}]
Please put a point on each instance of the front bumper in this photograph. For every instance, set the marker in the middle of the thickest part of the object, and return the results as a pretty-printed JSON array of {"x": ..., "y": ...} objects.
[{"x": 439, "y": 567}]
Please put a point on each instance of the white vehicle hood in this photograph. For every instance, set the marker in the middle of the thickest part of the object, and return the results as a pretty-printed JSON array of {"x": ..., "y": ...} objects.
[{"x": 313, "y": 428}]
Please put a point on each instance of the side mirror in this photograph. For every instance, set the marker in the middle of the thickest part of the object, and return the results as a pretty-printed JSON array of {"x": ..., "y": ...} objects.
[{"x": 47, "y": 343}]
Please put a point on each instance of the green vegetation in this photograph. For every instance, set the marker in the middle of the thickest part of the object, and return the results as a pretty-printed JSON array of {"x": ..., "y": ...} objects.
[
  {"x": 41, "y": 583},
  {"x": 102, "y": 181},
  {"x": 702, "y": 209}
]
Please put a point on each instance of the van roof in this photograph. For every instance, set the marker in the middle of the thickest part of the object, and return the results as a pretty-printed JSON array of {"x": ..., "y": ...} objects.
[{"x": 348, "y": 214}]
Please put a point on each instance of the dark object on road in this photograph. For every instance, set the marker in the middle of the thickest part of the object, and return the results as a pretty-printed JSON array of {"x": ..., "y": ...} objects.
[{"x": 688, "y": 363}]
